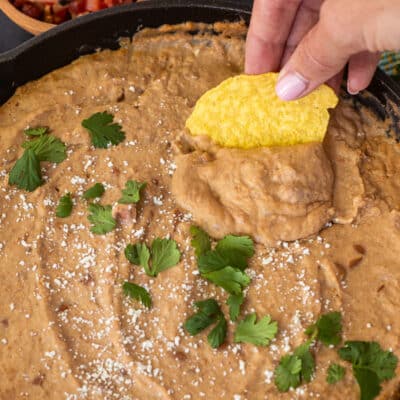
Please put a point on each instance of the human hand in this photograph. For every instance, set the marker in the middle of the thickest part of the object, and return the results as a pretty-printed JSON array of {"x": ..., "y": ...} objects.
[{"x": 328, "y": 34}]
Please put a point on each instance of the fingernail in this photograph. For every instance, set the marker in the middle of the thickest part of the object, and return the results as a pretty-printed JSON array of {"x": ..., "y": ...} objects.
[
  {"x": 351, "y": 91},
  {"x": 291, "y": 86}
]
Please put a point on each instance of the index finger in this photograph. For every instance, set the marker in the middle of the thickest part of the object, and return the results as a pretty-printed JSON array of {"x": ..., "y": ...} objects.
[{"x": 269, "y": 29}]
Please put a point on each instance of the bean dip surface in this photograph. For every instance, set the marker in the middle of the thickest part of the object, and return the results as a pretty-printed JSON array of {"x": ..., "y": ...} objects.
[{"x": 66, "y": 329}]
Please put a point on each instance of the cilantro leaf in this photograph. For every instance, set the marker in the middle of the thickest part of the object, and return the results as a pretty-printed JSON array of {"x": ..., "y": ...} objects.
[
  {"x": 47, "y": 148},
  {"x": 200, "y": 240},
  {"x": 131, "y": 193},
  {"x": 208, "y": 313},
  {"x": 327, "y": 329},
  {"x": 368, "y": 382},
  {"x": 208, "y": 307},
  {"x": 234, "y": 302},
  {"x": 371, "y": 365},
  {"x": 307, "y": 361},
  {"x": 164, "y": 255},
  {"x": 25, "y": 173},
  {"x": 39, "y": 131},
  {"x": 101, "y": 219},
  {"x": 233, "y": 280},
  {"x": 137, "y": 292},
  {"x": 370, "y": 355},
  {"x": 287, "y": 373},
  {"x": 335, "y": 373},
  {"x": 102, "y": 130},
  {"x": 97, "y": 190},
  {"x": 236, "y": 250},
  {"x": 138, "y": 254},
  {"x": 259, "y": 333},
  {"x": 64, "y": 207},
  {"x": 287, "y": 377},
  {"x": 217, "y": 335},
  {"x": 211, "y": 261},
  {"x": 229, "y": 279},
  {"x": 198, "y": 322},
  {"x": 233, "y": 251}
]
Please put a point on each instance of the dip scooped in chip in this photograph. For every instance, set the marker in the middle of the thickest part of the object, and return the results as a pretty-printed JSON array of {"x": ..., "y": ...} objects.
[{"x": 258, "y": 166}]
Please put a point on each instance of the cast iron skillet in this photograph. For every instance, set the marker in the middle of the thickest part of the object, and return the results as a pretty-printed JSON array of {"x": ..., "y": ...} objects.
[{"x": 100, "y": 30}]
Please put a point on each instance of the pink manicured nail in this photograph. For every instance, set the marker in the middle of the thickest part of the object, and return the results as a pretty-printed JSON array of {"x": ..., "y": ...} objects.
[
  {"x": 291, "y": 86},
  {"x": 350, "y": 90}
]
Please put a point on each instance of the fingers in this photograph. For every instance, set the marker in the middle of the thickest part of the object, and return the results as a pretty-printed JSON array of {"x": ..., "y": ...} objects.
[
  {"x": 269, "y": 29},
  {"x": 343, "y": 30},
  {"x": 362, "y": 67},
  {"x": 336, "y": 81},
  {"x": 306, "y": 17},
  {"x": 322, "y": 53}
]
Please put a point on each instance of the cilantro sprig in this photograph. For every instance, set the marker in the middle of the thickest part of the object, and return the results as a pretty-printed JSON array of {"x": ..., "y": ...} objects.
[
  {"x": 234, "y": 302},
  {"x": 131, "y": 193},
  {"x": 94, "y": 192},
  {"x": 327, "y": 329},
  {"x": 137, "y": 292},
  {"x": 201, "y": 241},
  {"x": 371, "y": 366},
  {"x": 225, "y": 264},
  {"x": 295, "y": 368},
  {"x": 335, "y": 373},
  {"x": 38, "y": 131},
  {"x": 64, "y": 207},
  {"x": 47, "y": 148},
  {"x": 26, "y": 173},
  {"x": 103, "y": 130},
  {"x": 259, "y": 333},
  {"x": 164, "y": 254},
  {"x": 101, "y": 219},
  {"x": 208, "y": 313}
]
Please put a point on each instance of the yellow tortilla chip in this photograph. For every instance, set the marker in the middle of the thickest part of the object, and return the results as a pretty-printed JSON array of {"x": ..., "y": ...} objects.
[{"x": 245, "y": 112}]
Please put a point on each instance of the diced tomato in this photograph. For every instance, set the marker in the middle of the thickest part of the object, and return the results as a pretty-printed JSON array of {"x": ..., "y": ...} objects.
[
  {"x": 76, "y": 7},
  {"x": 94, "y": 5}
]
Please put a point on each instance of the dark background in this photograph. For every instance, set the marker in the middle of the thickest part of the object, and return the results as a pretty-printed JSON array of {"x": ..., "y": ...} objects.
[{"x": 10, "y": 34}]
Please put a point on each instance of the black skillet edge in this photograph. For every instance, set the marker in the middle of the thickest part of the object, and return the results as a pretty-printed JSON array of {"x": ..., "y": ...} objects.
[{"x": 63, "y": 44}]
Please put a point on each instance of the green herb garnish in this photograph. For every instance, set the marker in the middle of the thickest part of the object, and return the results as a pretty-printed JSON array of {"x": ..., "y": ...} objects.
[
  {"x": 234, "y": 302},
  {"x": 94, "y": 192},
  {"x": 259, "y": 333},
  {"x": 208, "y": 313},
  {"x": 64, "y": 207},
  {"x": 101, "y": 219},
  {"x": 224, "y": 266},
  {"x": 26, "y": 173},
  {"x": 39, "y": 131},
  {"x": 327, "y": 329},
  {"x": 371, "y": 365},
  {"x": 164, "y": 255},
  {"x": 200, "y": 240},
  {"x": 335, "y": 373},
  {"x": 47, "y": 148},
  {"x": 131, "y": 193},
  {"x": 103, "y": 131},
  {"x": 295, "y": 368},
  {"x": 233, "y": 280},
  {"x": 137, "y": 292},
  {"x": 138, "y": 254}
]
